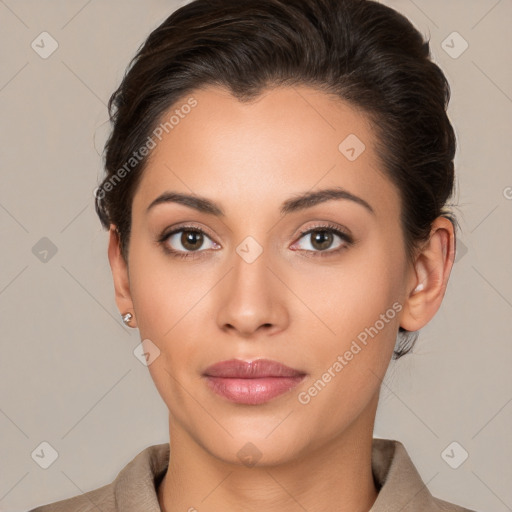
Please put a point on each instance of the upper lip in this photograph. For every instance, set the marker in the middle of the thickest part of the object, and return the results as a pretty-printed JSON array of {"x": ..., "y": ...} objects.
[{"x": 259, "y": 368}]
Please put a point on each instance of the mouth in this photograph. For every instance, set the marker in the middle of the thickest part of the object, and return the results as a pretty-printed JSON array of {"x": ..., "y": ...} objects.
[{"x": 251, "y": 383}]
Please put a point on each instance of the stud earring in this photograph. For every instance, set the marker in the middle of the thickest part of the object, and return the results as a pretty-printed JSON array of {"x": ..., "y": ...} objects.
[{"x": 126, "y": 318}]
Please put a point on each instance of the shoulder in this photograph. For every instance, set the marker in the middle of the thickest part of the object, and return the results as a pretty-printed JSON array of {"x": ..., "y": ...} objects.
[
  {"x": 442, "y": 505},
  {"x": 401, "y": 486},
  {"x": 101, "y": 498},
  {"x": 134, "y": 488}
]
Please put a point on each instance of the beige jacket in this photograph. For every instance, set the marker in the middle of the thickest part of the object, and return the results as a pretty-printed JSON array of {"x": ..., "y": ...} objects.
[{"x": 134, "y": 489}]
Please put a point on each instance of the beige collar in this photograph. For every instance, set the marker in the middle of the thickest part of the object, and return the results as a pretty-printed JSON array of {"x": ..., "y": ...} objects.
[{"x": 401, "y": 487}]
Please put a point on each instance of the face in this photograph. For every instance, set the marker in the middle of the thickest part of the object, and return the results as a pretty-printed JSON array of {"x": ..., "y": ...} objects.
[{"x": 315, "y": 285}]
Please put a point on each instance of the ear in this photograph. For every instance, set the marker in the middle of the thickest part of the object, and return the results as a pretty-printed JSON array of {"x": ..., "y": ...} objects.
[
  {"x": 120, "y": 275},
  {"x": 429, "y": 276}
]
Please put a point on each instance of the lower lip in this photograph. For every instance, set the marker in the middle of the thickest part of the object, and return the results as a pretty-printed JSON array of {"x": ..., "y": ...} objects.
[{"x": 252, "y": 391}]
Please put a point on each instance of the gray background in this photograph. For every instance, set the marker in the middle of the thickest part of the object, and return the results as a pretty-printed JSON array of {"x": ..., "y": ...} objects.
[{"x": 68, "y": 373}]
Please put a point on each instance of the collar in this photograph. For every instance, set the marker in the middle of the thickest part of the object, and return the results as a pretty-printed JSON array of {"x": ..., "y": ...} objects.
[{"x": 401, "y": 488}]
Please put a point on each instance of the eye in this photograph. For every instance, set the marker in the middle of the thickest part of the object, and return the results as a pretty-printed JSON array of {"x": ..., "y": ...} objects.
[
  {"x": 320, "y": 238},
  {"x": 185, "y": 241},
  {"x": 182, "y": 242}
]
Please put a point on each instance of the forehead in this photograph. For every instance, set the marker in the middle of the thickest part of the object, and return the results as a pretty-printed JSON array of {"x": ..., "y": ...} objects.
[{"x": 287, "y": 141}]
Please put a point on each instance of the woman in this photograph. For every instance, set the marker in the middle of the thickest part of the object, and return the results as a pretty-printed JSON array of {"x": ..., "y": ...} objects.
[{"x": 276, "y": 190}]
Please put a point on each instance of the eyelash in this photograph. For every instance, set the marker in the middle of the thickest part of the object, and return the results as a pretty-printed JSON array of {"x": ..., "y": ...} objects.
[{"x": 347, "y": 239}]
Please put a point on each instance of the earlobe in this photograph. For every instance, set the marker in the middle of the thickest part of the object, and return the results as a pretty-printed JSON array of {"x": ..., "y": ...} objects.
[
  {"x": 120, "y": 277},
  {"x": 429, "y": 276}
]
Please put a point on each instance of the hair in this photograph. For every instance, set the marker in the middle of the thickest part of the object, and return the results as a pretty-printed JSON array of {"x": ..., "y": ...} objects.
[{"x": 360, "y": 51}]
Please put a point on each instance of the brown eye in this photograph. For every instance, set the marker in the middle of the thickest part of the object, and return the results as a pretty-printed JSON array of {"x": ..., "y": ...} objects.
[
  {"x": 191, "y": 240},
  {"x": 184, "y": 241},
  {"x": 322, "y": 238}
]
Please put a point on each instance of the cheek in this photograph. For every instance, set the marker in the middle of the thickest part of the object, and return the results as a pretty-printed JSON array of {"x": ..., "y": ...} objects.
[
  {"x": 352, "y": 295},
  {"x": 168, "y": 309},
  {"x": 352, "y": 333},
  {"x": 349, "y": 350},
  {"x": 173, "y": 305},
  {"x": 161, "y": 292}
]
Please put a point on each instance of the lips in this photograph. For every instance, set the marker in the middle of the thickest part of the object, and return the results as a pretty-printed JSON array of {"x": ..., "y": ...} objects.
[
  {"x": 251, "y": 383},
  {"x": 259, "y": 368}
]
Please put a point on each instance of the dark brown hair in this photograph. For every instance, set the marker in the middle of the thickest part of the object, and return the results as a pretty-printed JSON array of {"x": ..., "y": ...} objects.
[{"x": 360, "y": 51}]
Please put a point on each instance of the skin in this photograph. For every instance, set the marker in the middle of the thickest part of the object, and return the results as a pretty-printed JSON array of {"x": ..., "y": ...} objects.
[{"x": 301, "y": 311}]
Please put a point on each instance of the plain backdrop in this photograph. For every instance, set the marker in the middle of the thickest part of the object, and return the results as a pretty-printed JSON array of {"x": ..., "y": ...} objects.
[{"x": 68, "y": 373}]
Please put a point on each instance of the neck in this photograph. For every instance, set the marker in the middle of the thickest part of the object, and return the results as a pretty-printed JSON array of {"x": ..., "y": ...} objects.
[{"x": 335, "y": 476}]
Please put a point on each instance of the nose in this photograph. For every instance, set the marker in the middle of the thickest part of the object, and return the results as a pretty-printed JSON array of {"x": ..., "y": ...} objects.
[{"x": 252, "y": 299}]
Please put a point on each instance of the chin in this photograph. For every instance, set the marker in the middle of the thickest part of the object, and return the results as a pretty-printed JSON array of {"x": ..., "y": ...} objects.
[{"x": 255, "y": 444}]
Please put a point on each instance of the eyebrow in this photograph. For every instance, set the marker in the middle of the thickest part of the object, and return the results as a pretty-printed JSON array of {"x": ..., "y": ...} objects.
[{"x": 294, "y": 204}]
